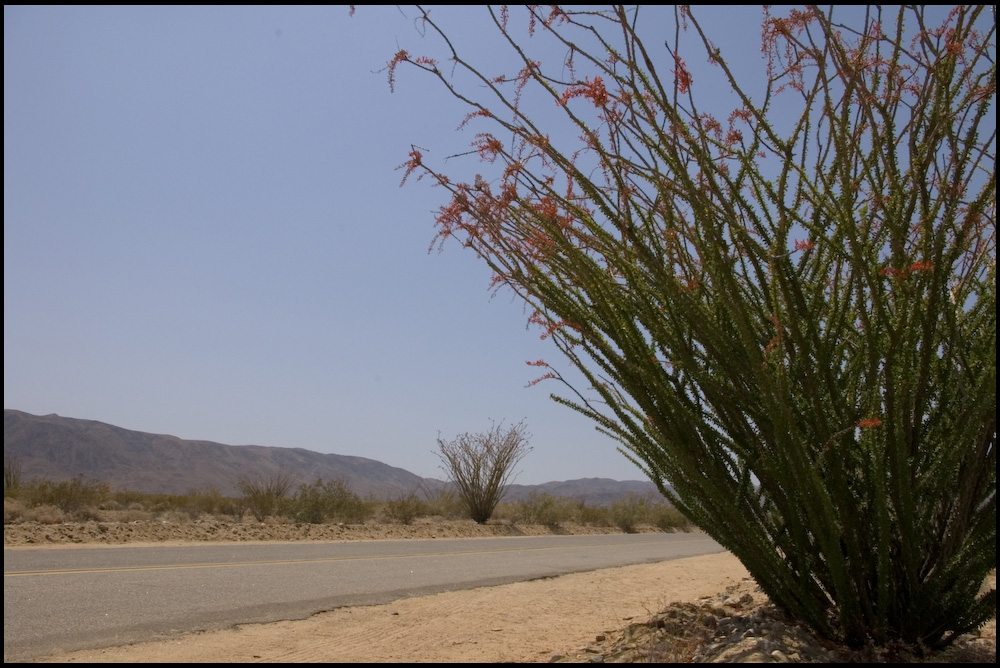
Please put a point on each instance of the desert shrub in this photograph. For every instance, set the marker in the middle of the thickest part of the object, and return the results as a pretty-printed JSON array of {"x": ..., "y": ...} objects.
[
  {"x": 199, "y": 502},
  {"x": 320, "y": 502},
  {"x": 88, "y": 514},
  {"x": 404, "y": 508},
  {"x": 629, "y": 512},
  {"x": 596, "y": 516},
  {"x": 541, "y": 508},
  {"x": 127, "y": 498},
  {"x": 134, "y": 513},
  {"x": 13, "y": 510},
  {"x": 111, "y": 505},
  {"x": 45, "y": 514},
  {"x": 443, "y": 502},
  {"x": 552, "y": 510},
  {"x": 264, "y": 495},
  {"x": 667, "y": 518},
  {"x": 234, "y": 509},
  {"x": 12, "y": 469},
  {"x": 781, "y": 301},
  {"x": 159, "y": 503},
  {"x": 195, "y": 503},
  {"x": 68, "y": 495},
  {"x": 173, "y": 516},
  {"x": 481, "y": 465}
]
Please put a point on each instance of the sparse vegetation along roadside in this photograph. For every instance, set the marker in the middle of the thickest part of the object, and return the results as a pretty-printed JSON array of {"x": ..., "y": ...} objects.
[{"x": 83, "y": 511}]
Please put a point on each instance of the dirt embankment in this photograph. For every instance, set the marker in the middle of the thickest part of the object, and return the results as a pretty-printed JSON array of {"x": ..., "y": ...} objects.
[{"x": 206, "y": 531}]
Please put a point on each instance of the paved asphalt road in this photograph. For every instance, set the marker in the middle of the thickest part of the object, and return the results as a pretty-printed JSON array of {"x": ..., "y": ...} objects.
[{"x": 86, "y": 598}]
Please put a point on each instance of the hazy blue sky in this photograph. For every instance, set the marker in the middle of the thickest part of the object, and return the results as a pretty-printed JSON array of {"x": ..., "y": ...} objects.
[{"x": 204, "y": 236}]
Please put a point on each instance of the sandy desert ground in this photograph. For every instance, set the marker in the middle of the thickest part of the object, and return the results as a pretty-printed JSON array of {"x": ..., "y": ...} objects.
[{"x": 698, "y": 609}]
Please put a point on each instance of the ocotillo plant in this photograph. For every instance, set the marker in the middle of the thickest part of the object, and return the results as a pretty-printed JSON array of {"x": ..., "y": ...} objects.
[
  {"x": 481, "y": 465},
  {"x": 784, "y": 310}
]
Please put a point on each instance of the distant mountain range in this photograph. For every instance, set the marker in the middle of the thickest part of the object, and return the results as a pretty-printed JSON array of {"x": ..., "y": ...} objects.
[{"x": 59, "y": 448}]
